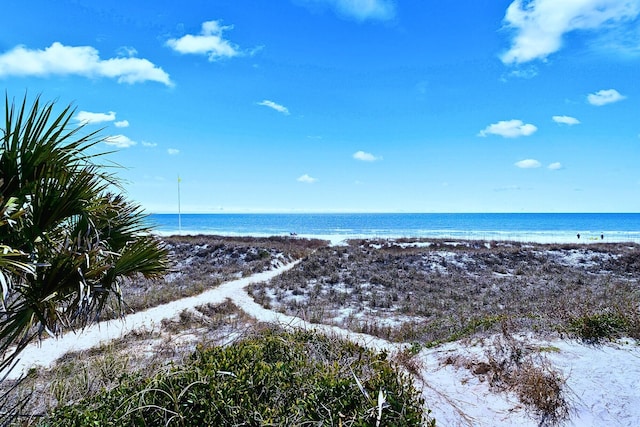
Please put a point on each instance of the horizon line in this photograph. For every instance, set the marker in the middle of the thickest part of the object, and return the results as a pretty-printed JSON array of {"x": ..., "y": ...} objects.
[{"x": 382, "y": 212}]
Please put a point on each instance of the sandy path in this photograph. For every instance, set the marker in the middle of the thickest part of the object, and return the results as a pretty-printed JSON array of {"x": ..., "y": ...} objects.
[
  {"x": 45, "y": 353},
  {"x": 48, "y": 351},
  {"x": 602, "y": 380}
]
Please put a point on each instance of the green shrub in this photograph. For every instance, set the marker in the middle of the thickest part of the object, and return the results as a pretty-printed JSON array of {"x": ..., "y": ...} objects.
[
  {"x": 272, "y": 378},
  {"x": 593, "y": 328}
]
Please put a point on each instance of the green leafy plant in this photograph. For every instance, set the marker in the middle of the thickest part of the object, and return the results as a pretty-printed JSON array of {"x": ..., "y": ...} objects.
[
  {"x": 593, "y": 328},
  {"x": 271, "y": 378},
  {"x": 67, "y": 236}
]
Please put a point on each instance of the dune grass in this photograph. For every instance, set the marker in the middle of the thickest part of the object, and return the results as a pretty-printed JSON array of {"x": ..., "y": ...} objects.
[
  {"x": 433, "y": 291},
  {"x": 200, "y": 263},
  {"x": 424, "y": 292}
]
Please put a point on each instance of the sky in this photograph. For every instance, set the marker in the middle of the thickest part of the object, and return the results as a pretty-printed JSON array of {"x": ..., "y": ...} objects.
[{"x": 346, "y": 105}]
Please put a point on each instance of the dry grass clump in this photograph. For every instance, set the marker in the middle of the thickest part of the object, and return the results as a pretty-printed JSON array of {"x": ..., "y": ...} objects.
[
  {"x": 511, "y": 366},
  {"x": 435, "y": 290}
]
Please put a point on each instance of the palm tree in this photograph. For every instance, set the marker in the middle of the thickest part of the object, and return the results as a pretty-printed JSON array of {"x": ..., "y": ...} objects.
[{"x": 67, "y": 237}]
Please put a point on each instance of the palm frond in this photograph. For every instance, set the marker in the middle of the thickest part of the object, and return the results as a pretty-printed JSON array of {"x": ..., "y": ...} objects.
[{"x": 65, "y": 240}]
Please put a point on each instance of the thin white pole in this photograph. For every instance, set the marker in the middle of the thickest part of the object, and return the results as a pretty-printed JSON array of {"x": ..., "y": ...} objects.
[{"x": 179, "y": 212}]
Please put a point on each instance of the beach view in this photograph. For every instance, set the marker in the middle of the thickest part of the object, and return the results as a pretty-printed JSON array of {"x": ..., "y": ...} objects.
[{"x": 320, "y": 213}]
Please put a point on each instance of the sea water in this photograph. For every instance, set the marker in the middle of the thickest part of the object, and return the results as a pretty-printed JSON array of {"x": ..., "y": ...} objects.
[{"x": 527, "y": 227}]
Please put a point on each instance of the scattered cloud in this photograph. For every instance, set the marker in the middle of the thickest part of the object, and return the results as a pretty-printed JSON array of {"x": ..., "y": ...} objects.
[
  {"x": 566, "y": 120},
  {"x": 279, "y": 108},
  {"x": 540, "y": 25},
  {"x": 86, "y": 117},
  {"x": 528, "y": 164},
  {"x": 360, "y": 10},
  {"x": 173, "y": 151},
  {"x": 522, "y": 73},
  {"x": 307, "y": 179},
  {"x": 623, "y": 41},
  {"x": 119, "y": 141},
  {"x": 127, "y": 51},
  {"x": 365, "y": 157},
  {"x": 209, "y": 42},
  {"x": 555, "y": 166},
  {"x": 604, "y": 97},
  {"x": 509, "y": 129},
  {"x": 84, "y": 61},
  {"x": 149, "y": 144}
]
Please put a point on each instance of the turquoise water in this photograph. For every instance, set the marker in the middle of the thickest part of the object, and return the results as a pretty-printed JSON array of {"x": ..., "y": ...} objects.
[{"x": 534, "y": 227}]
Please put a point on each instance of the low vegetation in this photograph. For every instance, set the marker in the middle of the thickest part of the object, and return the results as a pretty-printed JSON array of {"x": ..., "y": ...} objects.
[
  {"x": 433, "y": 291},
  {"x": 596, "y": 327},
  {"x": 86, "y": 374},
  {"x": 271, "y": 377},
  {"x": 214, "y": 365},
  {"x": 200, "y": 263}
]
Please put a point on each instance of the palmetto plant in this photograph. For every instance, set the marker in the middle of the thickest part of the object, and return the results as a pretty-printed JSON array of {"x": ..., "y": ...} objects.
[{"x": 67, "y": 237}]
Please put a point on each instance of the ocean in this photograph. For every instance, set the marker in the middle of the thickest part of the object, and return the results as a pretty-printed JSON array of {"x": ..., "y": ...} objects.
[{"x": 524, "y": 227}]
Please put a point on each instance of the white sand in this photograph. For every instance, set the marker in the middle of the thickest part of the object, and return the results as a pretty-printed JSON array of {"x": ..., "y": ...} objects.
[
  {"x": 602, "y": 387},
  {"x": 603, "y": 382}
]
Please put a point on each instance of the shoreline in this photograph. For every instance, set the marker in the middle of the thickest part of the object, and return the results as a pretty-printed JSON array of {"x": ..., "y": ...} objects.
[
  {"x": 534, "y": 228},
  {"x": 543, "y": 237}
]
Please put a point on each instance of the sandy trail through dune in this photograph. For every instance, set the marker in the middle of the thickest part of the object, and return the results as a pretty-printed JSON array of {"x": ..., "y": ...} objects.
[{"x": 602, "y": 382}]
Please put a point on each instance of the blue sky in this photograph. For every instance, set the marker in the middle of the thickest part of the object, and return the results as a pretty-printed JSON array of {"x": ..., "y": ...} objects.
[{"x": 347, "y": 105}]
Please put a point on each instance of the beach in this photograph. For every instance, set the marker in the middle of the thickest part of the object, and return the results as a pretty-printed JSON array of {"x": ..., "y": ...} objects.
[
  {"x": 338, "y": 227},
  {"x": 445, "y": 310}
]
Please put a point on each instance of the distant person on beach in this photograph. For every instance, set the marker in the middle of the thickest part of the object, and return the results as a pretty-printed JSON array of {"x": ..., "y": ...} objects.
[
  {"x": 602, "y": 236},
  {"x": 578, "y": 236}
]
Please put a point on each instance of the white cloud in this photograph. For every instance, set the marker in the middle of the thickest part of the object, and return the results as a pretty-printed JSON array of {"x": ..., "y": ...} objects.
[
  {"x": 523, "y": 73},
  {"x": 307, "y": 179},
  {"x": 86, "y": 117},
  {"x": 149, "y": 144},
  {"x": 509, "y": 129},
  {"x": 279, "y": 108},
  {"x": 360, "y": 10},
  {"x": 127, "y": 51},
  {"x": 122, "y": 124},
  {"x": 566, "y": 120},
  {"x": 365, "y": 157},
  {"x": 624, "y": 40},
  {"x": 604, "y": 97},
  {"x": 555, "y": 166},
  {"x": 528, "y": 164},
  {"x": 209, "y": 42},
  {"x": 173, "y": 151},
  {"x": 119, "y": 141},
  {"x": 540, "y": 25},
  {"x": 85, "y": 61}
]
